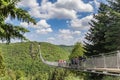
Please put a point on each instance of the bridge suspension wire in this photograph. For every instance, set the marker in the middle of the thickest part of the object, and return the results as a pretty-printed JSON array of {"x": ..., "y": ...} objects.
[
  {"x": 47, "y": 62},
  {"x": 108, "y": 64}
]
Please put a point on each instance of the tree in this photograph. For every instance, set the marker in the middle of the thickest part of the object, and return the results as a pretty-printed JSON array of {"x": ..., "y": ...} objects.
[
  {"x": 113, "y": 33},
  {"x": 96, "y": 36},
  {"x": 8, "y": 7},
  {"x": 104, "y": 34},
  {"x": 115, "y": 5},
  {"x": 77, "y": 51},
  {"x": 9, "y": 31}
]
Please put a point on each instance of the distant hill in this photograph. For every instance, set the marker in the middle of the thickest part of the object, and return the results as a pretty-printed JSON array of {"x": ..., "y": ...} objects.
[
  {"x": 67, "y": 48},
  {"x": 53, "y": 52},
  {"x": 17, "y": 56}
]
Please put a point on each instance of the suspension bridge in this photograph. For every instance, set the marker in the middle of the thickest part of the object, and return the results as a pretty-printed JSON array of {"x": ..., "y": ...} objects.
[{"x": 107, "y": 64}]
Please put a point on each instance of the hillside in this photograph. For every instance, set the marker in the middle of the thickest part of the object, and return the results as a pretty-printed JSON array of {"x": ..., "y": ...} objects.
[
  {"x": 53, "y": 52},
  {"x": 67, "y": 48},
  {"x": 21, "y": 51},
  {"x": 17, "y": 56},
  {"x": 21, "y": 66}
]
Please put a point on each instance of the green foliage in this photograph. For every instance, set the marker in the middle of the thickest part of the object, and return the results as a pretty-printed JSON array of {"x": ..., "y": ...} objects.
[
  {"x": 77, "y": 51},
  {"x": 20, "y": 64},
  {"x": 53, "y": 52},
  {"x": 2, "y": 65},
  {"x": 96, "y": 35},
  {"x": 93, "y": 76},
  {"x": 58, "y": 75},
  {"x": 61, "y": 74},
  {"x": 67, "y": 48},
  {"x": 113, "y": 33},
  {"x": 9, "y": 31},
  {"x": 19, "y": 74},
  {"x": 111, "y": 78},
  {"x": 41, "y": 76},
  {"x": 8, "y": 8},
  {"x": 103, "y": 35},
  {"x": 70, "y": 77}
]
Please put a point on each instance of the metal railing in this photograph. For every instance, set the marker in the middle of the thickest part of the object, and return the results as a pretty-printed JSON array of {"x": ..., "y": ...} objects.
[
  {"x": 111, "y": 60},
  {"x": 107, "y": 60}
]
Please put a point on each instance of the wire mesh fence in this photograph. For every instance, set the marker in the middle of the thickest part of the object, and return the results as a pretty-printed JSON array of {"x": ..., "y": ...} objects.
[{"x": 111, "y": 60}]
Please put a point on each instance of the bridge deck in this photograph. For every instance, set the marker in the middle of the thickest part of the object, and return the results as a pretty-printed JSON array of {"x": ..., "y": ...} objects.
[{"x": 112, "y": 70}]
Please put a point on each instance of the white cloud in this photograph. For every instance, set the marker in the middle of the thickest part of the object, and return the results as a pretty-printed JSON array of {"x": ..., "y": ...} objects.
[
  {"x": 77, "y": 32},
  {"x": 66, "y": 37},
  {"x": 96, "y": 3},
  {"x": 43, "y": 24},
  {"x": 65, "y": 31},
  {"x": 29, "y": 4},
  {"x": 42, "y": 27},
  {"x": 66, "y": 34},
  {"x": 24, "y": 24},
  {"x": 44, "y": 2},
  {"x": 77, "y": 5},
  {"x": 81, "y": 24},
  {"x": 51, "y": 38},
  {"x": 48, "y": 10},
  {"x": 40, "y": 24},
  {"x": 62, "y": 9},
  {"x": 64, "y": 14},
  {"x": 44, "y": 31}
]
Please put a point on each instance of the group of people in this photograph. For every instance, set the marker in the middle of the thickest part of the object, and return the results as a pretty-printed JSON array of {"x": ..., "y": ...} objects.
[
  {"x": 77, "y": 61},
  {"x": 61, "y": 62}
]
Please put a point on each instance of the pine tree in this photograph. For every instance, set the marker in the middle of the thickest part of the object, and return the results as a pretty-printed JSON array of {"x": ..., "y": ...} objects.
[
  {"x": 104, "y": 34},
  {"x": 9, "y": 31},
  {"x": 96, "y": 36},
  {"x": 113, "y": 32},
  {"x": 115, "y": 5}
]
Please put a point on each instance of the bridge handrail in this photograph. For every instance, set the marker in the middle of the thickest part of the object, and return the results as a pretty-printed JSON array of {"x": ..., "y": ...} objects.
[
  {"x": 47, "y": 62},
  {"x": 108, "y": 61},
  {"x": 101, "y": 54}
]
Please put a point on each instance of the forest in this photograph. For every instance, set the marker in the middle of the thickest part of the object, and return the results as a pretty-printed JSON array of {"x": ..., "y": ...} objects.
[
  {"x": 18, "y": 64},
  {"x": 18, "y": 61}
]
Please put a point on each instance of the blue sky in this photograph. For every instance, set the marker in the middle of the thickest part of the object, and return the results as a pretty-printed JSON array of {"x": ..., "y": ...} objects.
[{"x": 58, "y": 21}]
